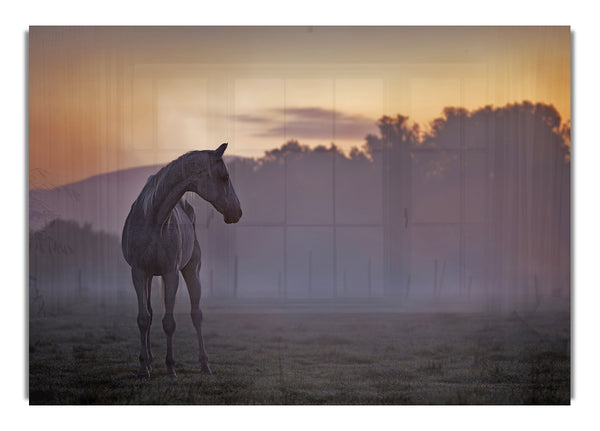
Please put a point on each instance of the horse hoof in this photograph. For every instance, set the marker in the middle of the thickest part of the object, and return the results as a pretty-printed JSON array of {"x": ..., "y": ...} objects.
[
  {"x": 205, "y": 369},
  {"x": 143, "y": 375}
]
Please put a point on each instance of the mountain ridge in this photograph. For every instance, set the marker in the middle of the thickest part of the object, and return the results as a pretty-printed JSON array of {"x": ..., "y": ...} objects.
[{"x": 86, "y": 200}]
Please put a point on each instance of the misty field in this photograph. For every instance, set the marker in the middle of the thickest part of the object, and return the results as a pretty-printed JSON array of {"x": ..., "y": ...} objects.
[{"x": 299, "y": 355}]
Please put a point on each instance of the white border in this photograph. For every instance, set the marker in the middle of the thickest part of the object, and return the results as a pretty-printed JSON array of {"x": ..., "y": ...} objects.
[{"x": 580, "y": 14}]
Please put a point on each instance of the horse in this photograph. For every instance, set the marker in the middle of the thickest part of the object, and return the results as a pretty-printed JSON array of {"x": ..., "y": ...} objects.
[{"x": 159, "y": 239}]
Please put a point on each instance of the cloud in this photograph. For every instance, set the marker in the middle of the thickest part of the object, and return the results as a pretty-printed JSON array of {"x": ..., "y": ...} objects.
[
  {"x": 245, "y": 118},
  {"x": 311, "y": 123}
]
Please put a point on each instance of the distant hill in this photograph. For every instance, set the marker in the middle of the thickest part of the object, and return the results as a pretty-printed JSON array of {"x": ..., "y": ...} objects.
[{"x": 103, "y": 200}]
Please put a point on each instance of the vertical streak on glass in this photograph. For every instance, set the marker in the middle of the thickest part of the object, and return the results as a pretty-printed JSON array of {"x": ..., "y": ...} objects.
[
  {"x": 333, "y": 198},
  {"x": 461, "y": 167},
  {"x": 334, "y": 229},
  {"x": 285, "y": 195}
]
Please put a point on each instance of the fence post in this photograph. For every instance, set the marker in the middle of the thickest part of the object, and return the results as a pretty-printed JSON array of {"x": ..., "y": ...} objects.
[
  {"x": 435, "y": 266},
  {"x": 310, "y": 273},
  {"x": 235, "y": 277},
  {"x": 442, "y": 278},
  {"x": 469, "y": 288},
  {"x": 279, "y": 284},
  {"x": 80, "y": 287},
  {"x": 369, "y": 278}
]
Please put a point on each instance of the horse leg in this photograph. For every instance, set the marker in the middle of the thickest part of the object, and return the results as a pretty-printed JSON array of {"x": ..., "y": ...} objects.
[
  {"x": 149, "y": 306},
  {"x": 171, "y": 282},
  {"x": 191, "y": 276},
  {"x": 140, "y": 281}
]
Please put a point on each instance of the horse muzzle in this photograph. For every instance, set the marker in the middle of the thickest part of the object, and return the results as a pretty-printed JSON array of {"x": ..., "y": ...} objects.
[{"x": 233, "y": 218}]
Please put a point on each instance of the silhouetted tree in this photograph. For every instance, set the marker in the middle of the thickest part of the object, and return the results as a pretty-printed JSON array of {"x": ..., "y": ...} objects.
[
  {"x": 394, "y": 132},
  {"x": 516, "y": 185},
  {"x": 527, "y": 171},
  {"x": 63, "y": 252},
  {"x": 392, "y": 151},
  {"x": 290, "y": 147}
]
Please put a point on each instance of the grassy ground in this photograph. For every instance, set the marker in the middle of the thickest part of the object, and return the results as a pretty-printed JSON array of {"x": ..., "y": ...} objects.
[{"x": 301, "y": 357}]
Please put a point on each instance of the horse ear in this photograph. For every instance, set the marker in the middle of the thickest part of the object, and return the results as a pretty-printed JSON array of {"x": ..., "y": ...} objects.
[{"x": 219, "y": 151}]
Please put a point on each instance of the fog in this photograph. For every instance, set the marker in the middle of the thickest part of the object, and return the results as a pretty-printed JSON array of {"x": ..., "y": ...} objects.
[{"x": 473, "y": 215}]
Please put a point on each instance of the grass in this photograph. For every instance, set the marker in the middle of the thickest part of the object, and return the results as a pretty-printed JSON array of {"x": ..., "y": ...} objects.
[{"x": 299, "y": 357}]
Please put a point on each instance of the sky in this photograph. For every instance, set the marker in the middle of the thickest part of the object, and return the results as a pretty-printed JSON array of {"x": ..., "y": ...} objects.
[{"x": 108, "y": 98}]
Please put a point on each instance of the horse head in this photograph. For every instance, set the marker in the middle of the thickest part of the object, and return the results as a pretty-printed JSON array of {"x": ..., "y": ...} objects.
[{"x": 215, "y": 186}]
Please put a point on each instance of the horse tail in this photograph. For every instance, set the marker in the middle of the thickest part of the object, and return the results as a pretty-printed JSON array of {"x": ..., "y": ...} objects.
[{"x": 189, "y": 210}]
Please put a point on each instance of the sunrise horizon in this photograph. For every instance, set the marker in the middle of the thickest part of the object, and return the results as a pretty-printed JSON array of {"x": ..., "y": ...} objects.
[
  {"x": 38, "y": 176},
  {"x": 103, "y": 99}
]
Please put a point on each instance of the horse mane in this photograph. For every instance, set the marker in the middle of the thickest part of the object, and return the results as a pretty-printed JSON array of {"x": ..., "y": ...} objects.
[{"x": 161, "y": 182}]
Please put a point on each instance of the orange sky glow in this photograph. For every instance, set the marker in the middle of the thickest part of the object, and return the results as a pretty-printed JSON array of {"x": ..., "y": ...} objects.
[{"x": 109, "y": 98}]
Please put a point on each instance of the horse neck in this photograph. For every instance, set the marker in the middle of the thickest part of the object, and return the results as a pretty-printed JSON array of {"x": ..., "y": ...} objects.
[
  {"x": 165, "y": 190},
  {"x": 168, "y": 201}
]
